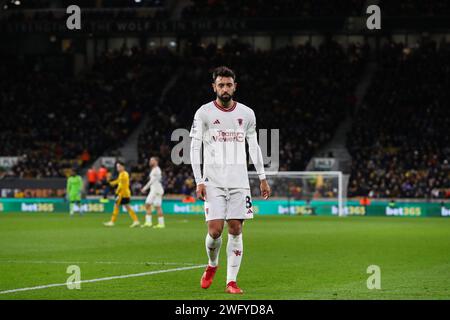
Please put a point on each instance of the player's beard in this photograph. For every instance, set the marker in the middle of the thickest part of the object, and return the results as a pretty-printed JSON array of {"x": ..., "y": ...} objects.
[{"x": 225, "y": 98}]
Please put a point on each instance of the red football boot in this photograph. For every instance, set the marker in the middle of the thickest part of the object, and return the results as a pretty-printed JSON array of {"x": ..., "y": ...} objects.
[
  {"x": 233, "y": 288},
  {"x": 207, "y": 277}
]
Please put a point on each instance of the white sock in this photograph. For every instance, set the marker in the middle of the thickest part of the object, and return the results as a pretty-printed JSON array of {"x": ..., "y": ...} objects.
[
  {"x": 148, "y": 218},
  {"x": 161, "y": 221},
  {"x": 213, "y": 249},
  {"x": 234, "y": 254}
]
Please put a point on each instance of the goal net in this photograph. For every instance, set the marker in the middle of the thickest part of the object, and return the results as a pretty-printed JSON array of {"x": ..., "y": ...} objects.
[{"x": 305, "y": 192}]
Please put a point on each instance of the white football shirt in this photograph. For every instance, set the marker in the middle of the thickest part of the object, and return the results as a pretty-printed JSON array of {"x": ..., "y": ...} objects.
[
  {"x": 155, "y": 180},
  {"x": 224, "y": 132}
]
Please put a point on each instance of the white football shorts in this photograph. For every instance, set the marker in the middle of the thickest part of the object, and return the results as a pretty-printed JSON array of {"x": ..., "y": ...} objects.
[
  {"x": 154, "y": 198},
  {"x": 228, "y": 203}
]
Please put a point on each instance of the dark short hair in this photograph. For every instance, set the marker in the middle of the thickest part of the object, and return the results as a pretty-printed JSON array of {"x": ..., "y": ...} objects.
[
  {"x": 223, "y": 71},
  {"x": 121, "y": 163}
]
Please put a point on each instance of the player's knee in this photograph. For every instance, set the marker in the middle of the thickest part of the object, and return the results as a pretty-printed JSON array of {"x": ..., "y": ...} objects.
[
  {"x": 235, "y": 230},
  {"x": 215, "y": 233}
]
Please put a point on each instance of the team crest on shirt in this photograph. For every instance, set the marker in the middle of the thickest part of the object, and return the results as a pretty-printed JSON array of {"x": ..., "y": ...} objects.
[{"x": 240, "y": 121}]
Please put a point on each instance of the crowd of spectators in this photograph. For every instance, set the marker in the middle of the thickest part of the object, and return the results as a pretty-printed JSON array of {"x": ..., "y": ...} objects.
[
  {"x": 98, "y": 180},
  {"x": 400, "y": 140},
  {"x": 301, "y": 90},
  {"x": 56, "y": 121}
]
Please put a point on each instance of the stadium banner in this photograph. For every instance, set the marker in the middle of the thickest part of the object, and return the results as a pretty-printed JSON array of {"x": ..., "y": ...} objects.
[
  {"x": 32, "y": 188},
  {"x": 213, "y": 26},
  {"x": 108, "y": 162},
  {"x": 260, "y": 207},
  {"x": 144, "y": 26},
  {"x": 324, "y": 163},
  {"x": 8, "y": 162}
]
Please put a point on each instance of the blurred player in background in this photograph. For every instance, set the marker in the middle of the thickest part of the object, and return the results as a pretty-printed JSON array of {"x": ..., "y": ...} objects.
[
  {"x": 154, "y": 198},
  {"x": 74, "y": 188},
  {"x": 222, "y": 126},
  {"x": 123, "y": 196}
]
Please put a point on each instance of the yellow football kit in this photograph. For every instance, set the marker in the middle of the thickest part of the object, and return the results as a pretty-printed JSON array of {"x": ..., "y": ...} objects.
[{"x": 123, "y": 195}]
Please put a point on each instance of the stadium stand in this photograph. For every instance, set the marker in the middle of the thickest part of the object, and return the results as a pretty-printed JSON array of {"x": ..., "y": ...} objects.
[
  {"x": 399, "y": 140},
  {"x": 68, "y": 121},
  {"x": 272, "y": 8},
  {"x": 308, "y": 96}
]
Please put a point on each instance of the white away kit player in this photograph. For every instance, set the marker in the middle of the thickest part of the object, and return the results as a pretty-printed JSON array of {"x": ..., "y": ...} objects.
[
  {"x": 223, "y": 126},
  {"x": 154, "y": 198}
]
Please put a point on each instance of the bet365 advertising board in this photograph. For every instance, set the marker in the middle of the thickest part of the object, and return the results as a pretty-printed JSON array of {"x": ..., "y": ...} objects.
[{"x": 262, "y": 207}]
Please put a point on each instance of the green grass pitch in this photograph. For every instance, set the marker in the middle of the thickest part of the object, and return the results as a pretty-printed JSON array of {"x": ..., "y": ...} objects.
[{"x": 285, "y": 257}]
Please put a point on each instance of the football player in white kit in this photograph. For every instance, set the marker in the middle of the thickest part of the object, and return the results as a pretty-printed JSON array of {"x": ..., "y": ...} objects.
[
  {"x": 154, "y": 198},
  {"x": 222, "y": 126}
]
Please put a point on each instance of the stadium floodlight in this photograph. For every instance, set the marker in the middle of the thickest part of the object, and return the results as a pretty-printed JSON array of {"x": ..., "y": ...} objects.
[{"x": 319, "y": 191}]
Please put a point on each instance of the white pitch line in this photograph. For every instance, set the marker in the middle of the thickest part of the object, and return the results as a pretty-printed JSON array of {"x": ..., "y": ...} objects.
[
  {"x": 102, "y": 279},
  {"x": 95, "y": 262}
]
